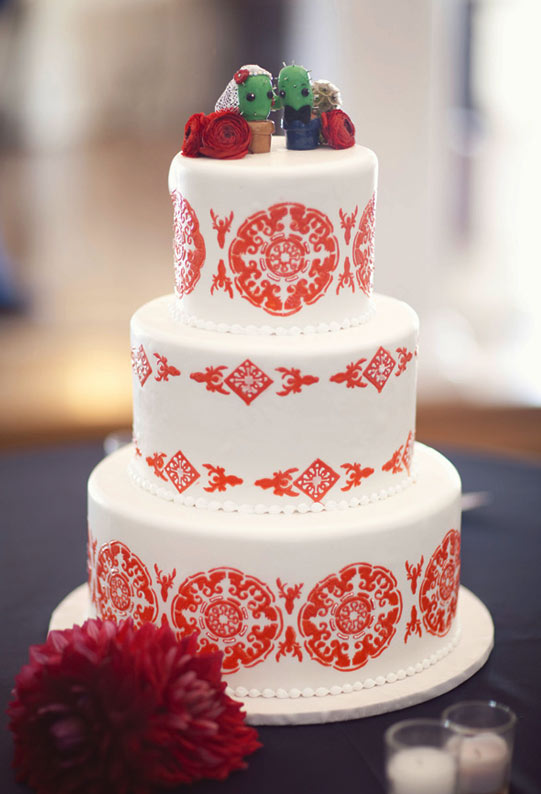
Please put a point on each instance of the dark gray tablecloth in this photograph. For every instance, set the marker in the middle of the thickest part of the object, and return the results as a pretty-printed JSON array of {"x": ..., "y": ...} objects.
[{"x": 42, "y": 558}]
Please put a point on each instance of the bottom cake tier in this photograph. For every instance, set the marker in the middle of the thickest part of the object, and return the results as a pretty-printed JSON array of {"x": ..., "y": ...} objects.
[{"x": 305, "y": 605}]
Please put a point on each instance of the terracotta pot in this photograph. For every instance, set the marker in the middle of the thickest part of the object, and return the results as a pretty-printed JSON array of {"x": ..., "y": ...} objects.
[{"x": 261, "y": 136}]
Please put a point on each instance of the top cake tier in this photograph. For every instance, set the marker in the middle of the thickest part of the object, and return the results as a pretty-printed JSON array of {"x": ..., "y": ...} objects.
[{"x": 275, "y": 243}]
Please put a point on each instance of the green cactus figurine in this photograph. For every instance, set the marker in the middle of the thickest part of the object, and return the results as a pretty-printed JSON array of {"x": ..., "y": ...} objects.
[
  {"x": 250, "y": 92},
  {"x": 295, "y": 95}
]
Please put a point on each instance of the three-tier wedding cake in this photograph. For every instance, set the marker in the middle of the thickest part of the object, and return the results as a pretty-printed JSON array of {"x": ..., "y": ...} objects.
[{"x": 274, "y": 500}]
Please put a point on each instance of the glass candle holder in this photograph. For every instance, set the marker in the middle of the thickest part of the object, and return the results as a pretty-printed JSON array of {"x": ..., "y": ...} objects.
[
  {"x": 421, "y": 758},
  {"x": 485, "y": 731}
]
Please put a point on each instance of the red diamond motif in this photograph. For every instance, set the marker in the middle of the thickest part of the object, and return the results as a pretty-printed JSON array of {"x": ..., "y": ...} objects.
[
  {"x": 407, "y": 455},
  {"x": 248, "y": 381},
  {"x": 317, "y": 480},
  {"x": 181, "y": 472},
  {"x": 140, "y": 364},
  {"x": 380, "y": 368}
]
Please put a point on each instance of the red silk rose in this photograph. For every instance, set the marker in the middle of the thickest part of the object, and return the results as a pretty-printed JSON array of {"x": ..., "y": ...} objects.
[
  {"x": 338, "y": 129},
  {"x": 192, "y": 135},
  {"x": 226, "y": 135},
  {"x": 105, "y": 708}
]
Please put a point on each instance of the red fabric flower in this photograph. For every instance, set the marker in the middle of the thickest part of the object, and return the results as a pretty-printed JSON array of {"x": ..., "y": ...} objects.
[
  {"x": 338, "y": 129},
  {"x": 226, "y": 135},
  {"x": 192, "y": 135},
  {"x": 241, "y": 76},
  {"x": 106, "y": 708}
]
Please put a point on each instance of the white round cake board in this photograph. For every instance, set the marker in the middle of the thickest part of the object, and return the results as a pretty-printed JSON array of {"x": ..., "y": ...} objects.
[{"x": 469, "y": 655}]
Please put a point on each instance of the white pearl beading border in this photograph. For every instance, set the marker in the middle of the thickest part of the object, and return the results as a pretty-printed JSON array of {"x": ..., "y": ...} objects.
[
  {"x": 230, "y": 506},
  {"x": 268, "y": 330},
  {"x": 346, "y": 689}
]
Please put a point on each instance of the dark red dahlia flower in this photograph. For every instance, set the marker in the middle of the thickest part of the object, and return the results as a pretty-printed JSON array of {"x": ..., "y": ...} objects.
[
  {"x": 106, "y": 708},
  {"x": 192, "y": 135},
  {"x": 226, "y": 135},
  {"x": 338, "y": 129}
]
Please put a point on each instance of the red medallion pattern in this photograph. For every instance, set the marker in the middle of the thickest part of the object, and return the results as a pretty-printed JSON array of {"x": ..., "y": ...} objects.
[
  {"x": 351, "y": 616},
  {"x": 283, "y": 258},
  {"x": 140, "y": 364},
  {"x": 379, "y": 368},
  {"x": 181, "y": 472},
  {"x": 317, "y": 480},
  {"x": 123, "y": 586},
  {"x": 363, "y": 247},
  {"x": 234, "y": 613},
  {"x": 438, "y": 595},
  {"x": 188, "y": 245},
  {"x": 247, "y": 381}
]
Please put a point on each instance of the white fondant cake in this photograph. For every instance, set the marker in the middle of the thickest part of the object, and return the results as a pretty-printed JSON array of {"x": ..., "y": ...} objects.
[{"x": 274, "y": 500}]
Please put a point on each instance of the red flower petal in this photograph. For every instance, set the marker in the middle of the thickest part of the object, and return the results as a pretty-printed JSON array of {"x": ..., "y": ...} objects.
[
  {"x": 192, "y": 135},
  {"x": 226, "y": 135},
  {"x": 241, "y": 76},
  {"x": 338, "y": 129},
  {"x": 105, "y": 707}
]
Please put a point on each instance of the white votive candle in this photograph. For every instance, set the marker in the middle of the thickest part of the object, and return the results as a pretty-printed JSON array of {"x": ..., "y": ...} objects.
[
  {"x": 422, "y": 770},
  {"x": 483, "y": 764}
]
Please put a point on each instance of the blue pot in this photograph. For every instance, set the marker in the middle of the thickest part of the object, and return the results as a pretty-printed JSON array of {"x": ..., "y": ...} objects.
[{"x": 302, "y": 136}]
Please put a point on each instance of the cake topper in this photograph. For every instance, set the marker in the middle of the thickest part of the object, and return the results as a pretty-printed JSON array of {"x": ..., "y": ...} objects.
[
  {"x": 251, "y": 93},
  {"x": 240, "y": 123}
]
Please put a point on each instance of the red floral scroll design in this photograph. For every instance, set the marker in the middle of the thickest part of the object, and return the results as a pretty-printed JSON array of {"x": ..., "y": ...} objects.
[
  {"x": 413, "y": 573},
  {"x": 165, "y": 580},
  {"x": 284, "y": 258},
  {"x": 281, "y": 483},
  {"x": 212, "y": 377},
  {"x": 355, "y": 474},
  {"x": 363, "y": 248},
  {"x": 404, "y": 357},
  {"x": 232, "y": 612},
  {"x": 157, "y": 462},
  {"x": 188, "y": 245},
  {"x": 351, "y": 616},
  {"x": 165, "y": 369},
  {"x": 222, "y": 226},
  {"x": 124, "y": 586},
  {"x": 345, "y": 279},
  {"x": 289, "y": 594},
  {"x": 289, "y": 646},
  {"x": 402, "y": 457},
  {"x": 413, "y": 626},
  {"x": 293, "y": 381},
  {"x": 218, "y": 479},
  {"x": 438, "y": 595},
  {"x": 221, "y": 281},
  {"x": 140, "y": 364},
  {"x": 347, "y": 222},
  {"x": 352, "y": 376}
]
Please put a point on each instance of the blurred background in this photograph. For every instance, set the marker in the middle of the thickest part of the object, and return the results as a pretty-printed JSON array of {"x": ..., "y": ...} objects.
[{"x": 93, "y": 100}]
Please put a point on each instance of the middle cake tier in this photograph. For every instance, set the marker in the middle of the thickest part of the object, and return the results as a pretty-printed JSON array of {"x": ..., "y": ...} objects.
[{"x": 274, "y": 423}]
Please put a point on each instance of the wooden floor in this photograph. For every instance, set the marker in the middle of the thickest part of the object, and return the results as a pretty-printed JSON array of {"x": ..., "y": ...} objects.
[{"x": 89, "y": 234}]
